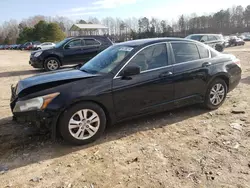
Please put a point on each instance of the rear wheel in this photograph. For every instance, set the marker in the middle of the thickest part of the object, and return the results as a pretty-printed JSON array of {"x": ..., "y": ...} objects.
[
  {"x": 83, "y": 123},
  {"x": 51, "y": 64},
  {"x": 219, "y": 48},
  {"x": 216, "y": 94}
]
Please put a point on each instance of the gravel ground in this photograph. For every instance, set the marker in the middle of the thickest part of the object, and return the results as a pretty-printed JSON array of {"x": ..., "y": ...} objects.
[{"x": 187, "y": 147}]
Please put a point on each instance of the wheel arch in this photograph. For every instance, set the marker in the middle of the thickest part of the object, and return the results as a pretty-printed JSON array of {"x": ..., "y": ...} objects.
[
  {"x": 222, "y": 76},
  {"x": 55, "y": 56}
]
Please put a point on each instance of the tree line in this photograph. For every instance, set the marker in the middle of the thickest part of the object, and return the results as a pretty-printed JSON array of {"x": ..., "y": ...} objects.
[{"x": 226, "y": 21}]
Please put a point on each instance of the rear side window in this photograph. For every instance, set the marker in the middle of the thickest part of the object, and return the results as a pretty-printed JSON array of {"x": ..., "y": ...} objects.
[
  {"x": 184, "y": 52},
  {"x": 91, "y": 42},
  {"x": 204, "y": 53},
  {"x": 212, "y": 38}
]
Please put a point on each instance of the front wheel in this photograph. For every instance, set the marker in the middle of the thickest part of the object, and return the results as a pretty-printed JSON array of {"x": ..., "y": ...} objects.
[
  {"x": 51, "y": 64},
  {"x": 216, "y": 94},
  {"x": 83, "y": 123}
]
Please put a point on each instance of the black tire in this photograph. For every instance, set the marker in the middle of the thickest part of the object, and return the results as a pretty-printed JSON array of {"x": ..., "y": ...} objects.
[
  {"x": 39, "y": 48},
  {"x": 47, "y": 67},
  {"x": 219, "y": 48},
  {"x": 66, "y": 116},
  {"x": 207, "y": 103}
]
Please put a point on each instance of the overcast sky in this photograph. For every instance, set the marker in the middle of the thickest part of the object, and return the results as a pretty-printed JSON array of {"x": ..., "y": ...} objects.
[{"x": 82, "y": 9}]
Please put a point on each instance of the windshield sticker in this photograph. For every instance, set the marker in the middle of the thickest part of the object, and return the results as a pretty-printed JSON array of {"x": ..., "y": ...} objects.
[{"x": 127, "y": 49}]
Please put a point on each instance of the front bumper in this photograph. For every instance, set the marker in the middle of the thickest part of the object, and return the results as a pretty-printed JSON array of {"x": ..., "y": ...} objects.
[
  {"x": 36, "y": 62},
  {"x": 40, "y": 119},
  {"x": 43, "y": 119}
]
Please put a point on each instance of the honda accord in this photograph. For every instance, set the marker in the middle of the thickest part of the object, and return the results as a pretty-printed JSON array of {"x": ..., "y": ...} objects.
[{"x": 127, "y": 80}]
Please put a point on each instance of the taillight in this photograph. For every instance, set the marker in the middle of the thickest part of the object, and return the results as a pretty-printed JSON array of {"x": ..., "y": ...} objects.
[{"x": 237, "y": 62}]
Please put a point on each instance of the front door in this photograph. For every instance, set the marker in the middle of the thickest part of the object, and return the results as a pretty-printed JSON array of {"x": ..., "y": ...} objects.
[
  {"x": 151, "y": 90},
  {"x": 190, "y": 71},
  {"x": 72, "y": 52}
]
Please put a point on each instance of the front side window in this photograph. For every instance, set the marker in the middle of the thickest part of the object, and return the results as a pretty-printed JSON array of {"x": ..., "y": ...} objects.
[
  {"x": 151, "y": 57},
  {"x": 107, "y": 60},
  {"x": 204, "y": 53},
  {"x": 91, "y": 42},
  {"x": 184, "y": 52},
  {"x": 75, "y": 43}
]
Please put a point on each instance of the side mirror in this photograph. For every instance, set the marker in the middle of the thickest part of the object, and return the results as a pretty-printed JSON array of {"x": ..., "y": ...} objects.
[
  {"x": 130, "y": 71},
  {"x": 202, "y": 41}
]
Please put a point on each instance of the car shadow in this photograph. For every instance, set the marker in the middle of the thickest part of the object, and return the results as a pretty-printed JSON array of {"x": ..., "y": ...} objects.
[
  {"x": 245, "y": 80},
  {"x": 19, "y": 139},
  {"x": 20, "y": 73}
]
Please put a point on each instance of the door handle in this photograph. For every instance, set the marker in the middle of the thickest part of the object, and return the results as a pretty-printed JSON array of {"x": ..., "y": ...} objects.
[
  {"x": 206, "y": 64},
  {"x": 165, "y": 74}
]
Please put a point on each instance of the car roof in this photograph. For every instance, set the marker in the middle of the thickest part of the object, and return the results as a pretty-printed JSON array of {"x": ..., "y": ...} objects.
[
  {"x": 87, "y": 36},
  {"x": 141, "y": 42},
  {"x": 201, "y": 34}
]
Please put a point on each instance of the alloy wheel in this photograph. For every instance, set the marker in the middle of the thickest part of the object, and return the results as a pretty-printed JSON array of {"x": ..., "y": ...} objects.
[
  {"x": 84, "y": 124},
  {"x": 217, "y": 94},
  {"x": 52, "y": 65}
]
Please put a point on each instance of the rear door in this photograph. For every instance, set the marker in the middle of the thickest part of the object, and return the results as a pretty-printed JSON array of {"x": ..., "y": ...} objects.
[
  {"x": 72, "y": 52},
  {"x": 191, "y": 63},
  {"x": 90, "y": 49}
]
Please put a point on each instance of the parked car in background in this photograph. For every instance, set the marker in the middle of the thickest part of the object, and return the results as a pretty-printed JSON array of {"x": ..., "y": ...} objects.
[
  {"x": 247, "y": 38},
  {"x": 226, "y": 39},
  {"x": 235, "y": 41},
  {"x": 17, "y": 46},
  {"x": 45, "y": 45},
  {"x": 35, "y": 44},
  {"x": 215, "y": 41},
  {"x": 73, "y": 50},
  {"x": 125, "y": 81},
  {"x": 6, "y": 47},
  {"x": 25, "y": 46},
  {"x": 1, "y": 47}
]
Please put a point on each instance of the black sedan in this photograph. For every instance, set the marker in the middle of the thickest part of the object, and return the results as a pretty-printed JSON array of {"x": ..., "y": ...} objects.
[{"x": 125, "y": 81}]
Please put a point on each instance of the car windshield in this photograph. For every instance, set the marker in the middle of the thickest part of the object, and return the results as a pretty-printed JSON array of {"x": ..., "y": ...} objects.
[
  {"x": 196, "y": 37},
  {"x": 59, "y": 44},
  {"x": 107, "y": 60}
]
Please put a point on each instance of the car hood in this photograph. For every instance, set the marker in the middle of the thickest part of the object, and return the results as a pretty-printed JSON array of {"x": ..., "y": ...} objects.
[
  {"x": 43, "y": 50},
  {"x": 52, "y": 77}
]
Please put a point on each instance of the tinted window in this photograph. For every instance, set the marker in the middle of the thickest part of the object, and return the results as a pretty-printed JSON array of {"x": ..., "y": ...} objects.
[
  {"x": 185, "y": 52},
  {"x": 89, "y": 42},
  {"x": 204, "y": 53},
  {"x": 75, "y": 43},
  {"x": 195, "y": 37},
  {"x": 151, "y": 57},
  {"x": 204, "y": 38}
]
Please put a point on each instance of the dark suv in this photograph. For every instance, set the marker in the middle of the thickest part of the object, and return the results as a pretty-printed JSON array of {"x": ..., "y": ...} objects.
[
  {"x": 216, "y": 41},
  {"x": 73, "y": 50}
]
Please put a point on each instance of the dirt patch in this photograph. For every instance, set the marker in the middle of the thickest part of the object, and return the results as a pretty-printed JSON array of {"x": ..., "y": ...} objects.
[{"x": 187, "y": 147}]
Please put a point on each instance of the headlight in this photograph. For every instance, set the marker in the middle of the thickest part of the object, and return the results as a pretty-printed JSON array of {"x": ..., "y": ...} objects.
[
  {"x": 38, "y": 54},
  {"x": 38, "y": 103}
]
